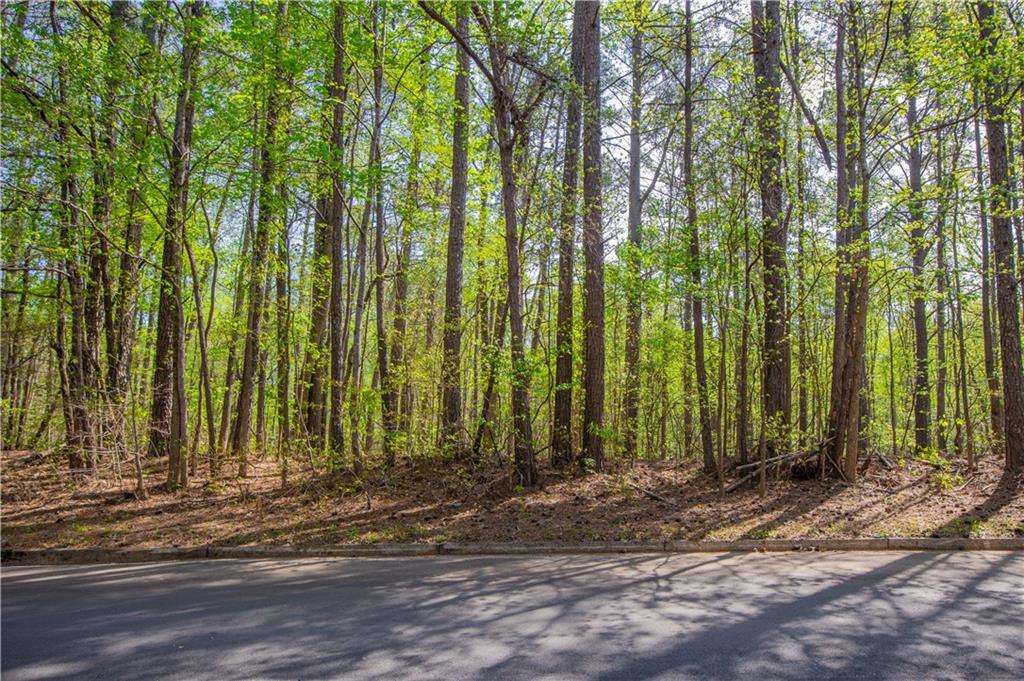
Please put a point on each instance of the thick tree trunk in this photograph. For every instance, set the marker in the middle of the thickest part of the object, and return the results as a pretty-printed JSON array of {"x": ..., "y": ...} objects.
[
  {"x": 451, "y": 384},
  {"x": 593, "y": 241},
  {"x": 847, "y": 403},
  {"x": 1003, "y": 249},
  {"x": 522, "y": 432},
  {"x": 389, "y": 389},
  {"x": 561, "y": 428},
  {"x": 767, "y": 37},
  {"x": 337, "y": 236}
]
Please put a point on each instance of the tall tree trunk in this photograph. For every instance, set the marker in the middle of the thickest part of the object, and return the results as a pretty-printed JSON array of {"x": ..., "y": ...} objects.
[
  {"x": 354, "y": 377},
  {"x": 958, "y": 317},
  {"x": 104, "y": 176},
  {"x": 593, "y": 241},
  {"x": 75, "y": 368},
  {"x": 168, "y": 431},
  {"x": 451, "y": 384},
  {"x": 282, "y": 284},
  {"x": 522, "y": 431},
  {"x": 842, "y": 221},
  {"x": 697, "y": 296},
  {"x": 634, "y": 305},
  {"x": 389, "y": 390},
  {"x": 919, "y": 247},
  {"x": 399, "y": 359},
  {"x": 261, "y": 245},
  {"x": 1003, "y": 247},
  {"x": 510, "y": 136},
  {"x": 942, "y": 291},
  {"x": 337, "y": 237},
  {"x": 561, "y": 428},
  {"x": 995, "y": 403},
  {"x": 847, "y": 403},
  {"x": 127, "y": 293},
  {"x": 236, "y": 309},
  {"x": 767, "y": 37},
  {"x": 804, "y": 362},
  {"x": 743, "y": 394}
]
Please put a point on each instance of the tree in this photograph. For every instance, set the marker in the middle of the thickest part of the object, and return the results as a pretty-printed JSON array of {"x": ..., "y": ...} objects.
[
  {"x": 451, "y": 387},
  {"x": 696, "y": 296},
  {"x": 1002, "y": 242},
  {"x": 767, "y": 37},
  {"x": 167, "y": 421},
  {"x": 593, "y": 240},
  {"x": 919, "y": 246},
  {"x": 634, "y": 312},
  {"x": 261, "y": 243},
  {"x": 561, "y": 428}
]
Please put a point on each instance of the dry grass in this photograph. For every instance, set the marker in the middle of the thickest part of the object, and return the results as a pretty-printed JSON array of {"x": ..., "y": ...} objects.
[{"x": 434, "y": 500}]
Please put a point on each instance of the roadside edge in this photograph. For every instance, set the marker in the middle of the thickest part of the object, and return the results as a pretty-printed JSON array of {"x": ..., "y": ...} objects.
[{"x": 12, "y": 556}]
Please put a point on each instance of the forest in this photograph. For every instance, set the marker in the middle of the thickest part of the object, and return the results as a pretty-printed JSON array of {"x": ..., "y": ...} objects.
[{"x": 314, "y": 239}]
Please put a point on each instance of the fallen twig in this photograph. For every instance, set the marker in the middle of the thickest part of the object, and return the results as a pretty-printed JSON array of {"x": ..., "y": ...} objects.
[
  {"x": 656, "y": 497},
  {"x": 739, "y": 483}
]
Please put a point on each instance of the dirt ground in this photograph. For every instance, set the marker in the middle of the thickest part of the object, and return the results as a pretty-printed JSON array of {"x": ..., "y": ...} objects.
[{"x": 434, "y": 500}]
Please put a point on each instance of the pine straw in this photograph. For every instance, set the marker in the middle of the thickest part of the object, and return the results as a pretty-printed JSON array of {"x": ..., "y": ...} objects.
[{"x": 434, "y": 500}]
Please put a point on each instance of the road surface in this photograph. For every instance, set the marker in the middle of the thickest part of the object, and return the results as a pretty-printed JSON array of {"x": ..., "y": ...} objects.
[{"x": 912, "y": 616}]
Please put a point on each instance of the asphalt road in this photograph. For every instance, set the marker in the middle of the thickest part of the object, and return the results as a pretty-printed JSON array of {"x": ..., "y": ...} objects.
[{"x": 911, "y": 616}]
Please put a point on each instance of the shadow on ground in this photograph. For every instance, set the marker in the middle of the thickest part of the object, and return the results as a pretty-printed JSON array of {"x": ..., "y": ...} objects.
[{"x": 800, "y": 616}]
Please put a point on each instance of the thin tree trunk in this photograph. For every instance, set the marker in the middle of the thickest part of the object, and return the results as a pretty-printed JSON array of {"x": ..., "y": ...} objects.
[
  {"x": 697, "y": 296},
  {"x": 167, "y": 421},
  {"x": 282, "y": 282},
  {"x": 261, "y": 245},
  {"x": 919, "y": 248},
  {"x": 634, "y": 305},
  {"x": 987, "y": 323},
  {"x": 941, "y": 287}
]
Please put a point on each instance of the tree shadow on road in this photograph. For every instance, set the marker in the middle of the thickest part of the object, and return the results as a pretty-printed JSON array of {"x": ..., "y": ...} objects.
[{"x": 790, "y": 616}]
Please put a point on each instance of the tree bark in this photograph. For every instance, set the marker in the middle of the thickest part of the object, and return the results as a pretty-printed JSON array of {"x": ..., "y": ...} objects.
[
  {"x": 767, "y": 35},
  {"x": 389, "y": 391},
  {"x": 995, "y": 403},
  {"x": 561, "y": 428},
  {"x": 451, "y": 384},
  {"x": 1003, "y": 247},
  {"x": 696, "y": 295},
  {"x": 261, "y": 245},
  {"x": 593, "y": 241},
  {"x": 167, "y": 417},
  {"x": 634, "y": 305},
  {"x": 919, "y": 247},
  {"x": 337, "y": 238}
]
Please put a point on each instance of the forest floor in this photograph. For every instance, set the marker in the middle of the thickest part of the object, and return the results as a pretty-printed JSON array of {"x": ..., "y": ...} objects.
[{"x": 430, "y": 501}]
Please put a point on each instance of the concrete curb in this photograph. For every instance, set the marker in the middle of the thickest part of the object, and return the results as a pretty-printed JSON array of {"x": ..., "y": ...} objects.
[{"x": 81, "y": 556}]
